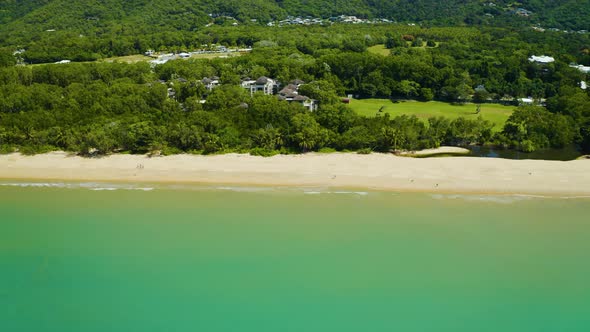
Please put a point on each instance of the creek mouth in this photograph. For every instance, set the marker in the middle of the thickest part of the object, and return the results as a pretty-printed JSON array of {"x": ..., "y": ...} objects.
[{"x": 565, "y": 154}]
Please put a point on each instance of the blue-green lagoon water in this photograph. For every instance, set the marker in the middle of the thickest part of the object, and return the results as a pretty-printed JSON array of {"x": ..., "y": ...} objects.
[{"x": 90, "y": 257}]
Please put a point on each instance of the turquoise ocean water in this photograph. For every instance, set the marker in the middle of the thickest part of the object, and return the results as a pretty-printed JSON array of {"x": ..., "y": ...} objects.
[{"x": 90, "y": 257}]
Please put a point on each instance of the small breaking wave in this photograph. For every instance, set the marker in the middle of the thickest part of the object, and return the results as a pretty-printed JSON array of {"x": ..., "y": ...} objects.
[
  {"x": 360, "y": 193},
  {"x": 500, "y": 199},
  {"x": 245, "y": 189},
  {"x": 36, "y": 185},
  {"x": 94, "y": 186},
  {"x": 316, "y": 192},
  {"x": 104, "y": 189},
  {"x": 508, "y": 199}
]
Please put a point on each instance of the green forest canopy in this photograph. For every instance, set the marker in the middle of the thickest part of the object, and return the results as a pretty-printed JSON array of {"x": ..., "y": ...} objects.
[
  {"x": 83, "y": 16},
  {"x": 111, "y": 107}
]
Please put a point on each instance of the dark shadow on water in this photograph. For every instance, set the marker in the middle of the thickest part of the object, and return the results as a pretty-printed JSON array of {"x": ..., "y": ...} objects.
[{"x": 567, "y": 153}]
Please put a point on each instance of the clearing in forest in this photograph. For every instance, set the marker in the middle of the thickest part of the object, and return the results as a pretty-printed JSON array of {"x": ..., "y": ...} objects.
[{"x": 495, "y": 113}]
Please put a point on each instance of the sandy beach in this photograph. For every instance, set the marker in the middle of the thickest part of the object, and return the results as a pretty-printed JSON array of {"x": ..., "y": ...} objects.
[
  {"x": 336, "y": 170},
  {"x": 441, "y": 150}
]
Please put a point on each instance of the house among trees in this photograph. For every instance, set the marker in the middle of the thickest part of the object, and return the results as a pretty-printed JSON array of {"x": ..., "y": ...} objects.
[
  {"x": 310, "y": 104},
  {"x": 171, "y": 93},
  {"x": 290, "y": 93},
  {"x": 297, "y": 83},
  {"x": 522, "y": 12},
  {"x": 531, "y": 101},
  {"x": 210, "y": 82},
  {"x": 264, "y": 84}
]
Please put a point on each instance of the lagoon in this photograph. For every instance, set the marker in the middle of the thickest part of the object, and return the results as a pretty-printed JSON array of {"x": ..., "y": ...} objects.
[{"x": 119, "y": 257}]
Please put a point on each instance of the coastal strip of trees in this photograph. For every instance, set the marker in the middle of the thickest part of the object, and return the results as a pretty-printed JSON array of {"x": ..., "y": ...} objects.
[{"x": 101, "y": 107}]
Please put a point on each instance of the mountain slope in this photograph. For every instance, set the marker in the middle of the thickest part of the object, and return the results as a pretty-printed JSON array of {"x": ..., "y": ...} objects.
[
  {"x": 565, "y": 14},
  {"x": 191, "y": 14},
  {"x": 11, "y": 10},
  {"x": 25, "y": 17}
]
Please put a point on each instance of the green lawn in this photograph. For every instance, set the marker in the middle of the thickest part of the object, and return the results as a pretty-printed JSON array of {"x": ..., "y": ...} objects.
[
  {"x": 128, "y": 58},
  {"x": 379, "y": 49},
  {"x": 497, "y": 114},
  {"x": 382, "y": 50},
  {"x": 140, "y": 57}
]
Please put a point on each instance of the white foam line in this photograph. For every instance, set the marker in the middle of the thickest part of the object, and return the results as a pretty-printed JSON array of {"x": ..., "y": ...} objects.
[
  {"x": 86, "y": 185},
  {"x": 505, "y": 199}
]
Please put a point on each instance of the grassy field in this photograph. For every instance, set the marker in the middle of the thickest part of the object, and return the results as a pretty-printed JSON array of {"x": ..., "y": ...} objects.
[
  {"x": 128, "y": 58},
  {"x": 497, "y": 114},
  {"x": 382, "y": 50},
  {"x": 140, "y": 57},
  {"x": 379, "y": 49}
]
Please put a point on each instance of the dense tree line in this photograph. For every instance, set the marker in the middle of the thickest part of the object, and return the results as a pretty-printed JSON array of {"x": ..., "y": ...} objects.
[
  {"x": 107, "y": 107},
  {"x": 104, "y": 108}
]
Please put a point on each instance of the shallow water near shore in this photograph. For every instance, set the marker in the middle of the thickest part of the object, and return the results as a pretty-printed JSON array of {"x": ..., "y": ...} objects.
[
  {"x": 98, "y": 257},
  {"x": 569, "y": 152}
]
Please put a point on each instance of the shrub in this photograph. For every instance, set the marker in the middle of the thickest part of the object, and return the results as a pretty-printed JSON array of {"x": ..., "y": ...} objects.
[
  {"x": 30, "y": 150},
  {"x": 327, "y": 150},
  {"x": 263, "y": 152},
  {"x": 527, "y": 146},
  {"x": 6, "y": 149}
]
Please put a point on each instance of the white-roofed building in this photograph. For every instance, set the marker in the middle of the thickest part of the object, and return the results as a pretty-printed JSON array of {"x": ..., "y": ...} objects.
[
  {"x": 210, "y": 82},
  {"x": 263, "y": 84},
  {"x": 583, "y": 69},
  {"x": 531, "y": 101},
  {"x": 525, "y": 101},
  {"x": 541, "y": 59}
]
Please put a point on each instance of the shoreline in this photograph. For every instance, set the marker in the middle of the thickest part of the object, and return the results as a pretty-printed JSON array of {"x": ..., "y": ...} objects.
[
  {"x": 375, "y": 172},
  {"x": 443, "y": 150}
]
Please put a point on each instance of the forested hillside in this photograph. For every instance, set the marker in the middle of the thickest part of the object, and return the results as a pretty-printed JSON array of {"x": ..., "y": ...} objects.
[
  {"x": 192, "y": 14},
  {"x": 51, "y": 30},
  {"x": 11, "y": 10}
]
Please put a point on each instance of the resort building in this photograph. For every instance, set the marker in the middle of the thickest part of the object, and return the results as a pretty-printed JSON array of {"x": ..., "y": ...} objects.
[
  {"x": 290, "y": 93},
  {"x": 531, "y": 101},
  {"x": 542, "y": 59},
  {"x": 210, "y": 82},
  {"x": 262, "y": 84}
]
